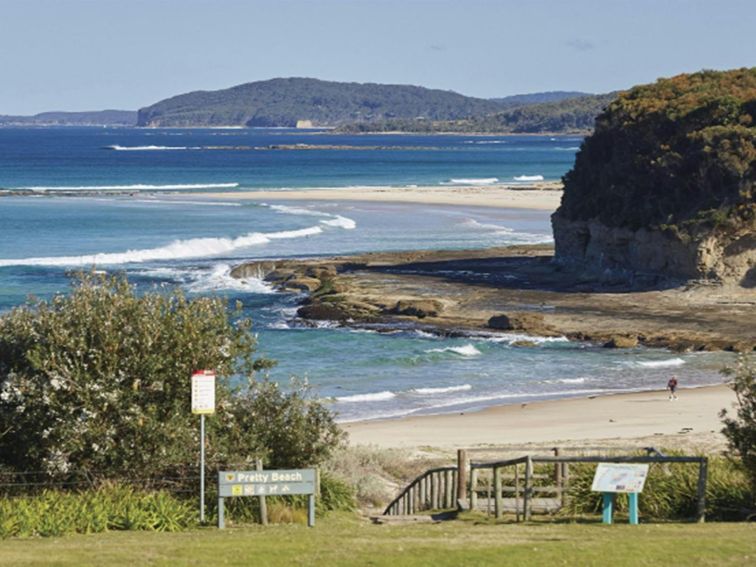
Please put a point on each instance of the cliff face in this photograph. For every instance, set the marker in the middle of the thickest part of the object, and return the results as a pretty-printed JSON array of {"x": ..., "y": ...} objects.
[{"x": 666, "y": 184}]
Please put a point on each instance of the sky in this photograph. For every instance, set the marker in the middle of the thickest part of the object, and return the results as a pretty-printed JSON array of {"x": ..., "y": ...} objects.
[{"x": 126, "y": 54}]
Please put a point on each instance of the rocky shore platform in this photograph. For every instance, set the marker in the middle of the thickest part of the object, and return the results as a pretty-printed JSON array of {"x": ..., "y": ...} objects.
[{"x": 512, "y": 289}]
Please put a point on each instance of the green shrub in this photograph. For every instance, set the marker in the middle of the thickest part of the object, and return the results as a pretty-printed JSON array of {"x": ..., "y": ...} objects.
[
  {"x": 670, "y": 491},
  {"x": 99, "y": 380},
  {"x": 740, "y": 429},
  {"x": 335, "y": 494},
  {"x": 112, "y": 507}
]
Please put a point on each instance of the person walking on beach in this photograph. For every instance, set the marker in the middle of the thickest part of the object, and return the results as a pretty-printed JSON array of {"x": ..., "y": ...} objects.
[{"x": 672, "y": 387}]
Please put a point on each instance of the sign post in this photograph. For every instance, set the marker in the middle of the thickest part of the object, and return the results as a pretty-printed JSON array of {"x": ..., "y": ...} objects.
[
  {"x": 203, "y": 403},
  {"x": 611, "y": 478},
  {"x": 263, "y": 483}
]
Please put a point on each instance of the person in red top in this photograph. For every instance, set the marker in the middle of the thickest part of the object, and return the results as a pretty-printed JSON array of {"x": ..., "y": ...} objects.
[{"x": 672, "y": 387}]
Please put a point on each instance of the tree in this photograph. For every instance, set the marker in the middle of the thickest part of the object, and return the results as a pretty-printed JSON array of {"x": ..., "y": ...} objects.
[
  {"x": 740, "y": 429},
  {"x": 99, "y": 380}
]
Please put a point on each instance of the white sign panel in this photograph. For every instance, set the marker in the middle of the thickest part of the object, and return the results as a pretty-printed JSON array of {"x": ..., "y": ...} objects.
[
  {"x": 203, "y": 392},
  {"x": 616, "y": 477}
]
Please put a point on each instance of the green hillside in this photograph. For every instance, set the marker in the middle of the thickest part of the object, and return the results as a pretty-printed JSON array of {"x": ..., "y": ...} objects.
[
  {"x": 570, "y": 115},
  {"x": 283, "y": 102},
  {"x": 681, "y": 150}
]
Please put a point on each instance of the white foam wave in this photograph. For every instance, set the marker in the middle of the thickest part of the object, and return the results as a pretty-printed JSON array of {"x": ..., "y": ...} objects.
[
  {"x": 219, "y": 278},
  {"x": 118, "y": 148},
  {"x": 432, "y": 391},
  {"x": 567, "y": 381},
  {"x": 375, "y": 397},
  {"x": 473, "y": 181},
  {"x": 177, "y": 202},
  {"x": 179, "y": 249},
  {"x": 135, "y": 187},
  {"x": 296, "y": 210},
  {"x": 528, "y": 178},
  {"x": 515, "y": 337},
  {"x": 472, "y": 223},
  {"x": 340, "y": 222},
  {"x": 485, "y": 142},
  {"x": 466, "y": 350},
  {"x": 568, "y": 149},
  {"x": 336, "y": 221},
  {"x": 668, "y": 363}
]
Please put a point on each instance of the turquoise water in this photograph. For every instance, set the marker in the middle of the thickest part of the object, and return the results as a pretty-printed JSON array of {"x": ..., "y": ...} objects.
[{"x": 177, "y": 238}]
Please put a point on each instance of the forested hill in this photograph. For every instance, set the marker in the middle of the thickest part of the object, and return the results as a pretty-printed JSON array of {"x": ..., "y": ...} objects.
[
  {"x": 569, "y": 115},
  {"x": 284, "y": 102}
]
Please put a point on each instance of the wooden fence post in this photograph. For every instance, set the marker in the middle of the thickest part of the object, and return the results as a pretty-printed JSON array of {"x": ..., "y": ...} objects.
[
  {"x": 447, "y": 489},
  {"x": 517, "y": 491},
  {"x": 461, "y": 473},
  {"x": 473, "y": 489},
  {"x": 703, "y": 470},
  {"x": 498, "y": 503},
  {"x": 527, "y": 502}
]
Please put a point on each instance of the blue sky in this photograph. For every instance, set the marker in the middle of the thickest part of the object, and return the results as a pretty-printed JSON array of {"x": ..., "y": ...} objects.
[{"x": 93, "y": 54}]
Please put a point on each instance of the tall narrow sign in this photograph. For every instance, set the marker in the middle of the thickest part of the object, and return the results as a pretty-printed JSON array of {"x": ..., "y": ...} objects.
[{"x": 203, "y": 403}]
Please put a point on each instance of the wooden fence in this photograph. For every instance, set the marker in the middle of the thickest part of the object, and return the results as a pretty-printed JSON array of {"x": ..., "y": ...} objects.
[{"x": 513, "y": 486}]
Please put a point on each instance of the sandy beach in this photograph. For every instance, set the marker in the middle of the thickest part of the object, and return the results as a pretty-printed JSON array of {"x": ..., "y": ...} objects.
[
  {"x": 543, "y": 196},
  {"x": 643, "y": 418},
  {"x": 692, "y": 419}
]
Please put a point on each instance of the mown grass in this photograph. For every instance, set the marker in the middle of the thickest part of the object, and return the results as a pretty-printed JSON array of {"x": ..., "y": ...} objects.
[{"x": 342, "y": 539}]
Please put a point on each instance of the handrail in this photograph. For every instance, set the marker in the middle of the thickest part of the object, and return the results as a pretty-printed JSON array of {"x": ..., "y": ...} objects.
[{"x": 416, "y": 483}]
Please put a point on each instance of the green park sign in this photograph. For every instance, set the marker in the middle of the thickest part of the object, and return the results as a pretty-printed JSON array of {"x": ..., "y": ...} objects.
[{"x": 263, "y": 483}]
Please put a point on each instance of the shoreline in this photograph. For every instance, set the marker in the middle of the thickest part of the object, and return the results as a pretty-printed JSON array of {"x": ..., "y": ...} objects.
[
  {"x": 544, "y": 195},
  {"x": 614, "y": 418}
]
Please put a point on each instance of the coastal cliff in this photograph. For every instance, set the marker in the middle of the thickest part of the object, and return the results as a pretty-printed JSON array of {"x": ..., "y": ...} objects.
[{"x": 665, "y": 186}]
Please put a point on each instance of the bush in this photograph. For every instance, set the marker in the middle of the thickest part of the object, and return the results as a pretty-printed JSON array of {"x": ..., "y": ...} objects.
[
  {"x": 670, "y": 491},
  {"x": 100, "y": 381},
  {"x": 113, "y": 507},
  {"x": 740, "y": 430}
]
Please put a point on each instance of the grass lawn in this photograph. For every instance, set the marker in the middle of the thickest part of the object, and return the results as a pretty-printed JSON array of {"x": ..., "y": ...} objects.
[{"x": 346, "y": 540}]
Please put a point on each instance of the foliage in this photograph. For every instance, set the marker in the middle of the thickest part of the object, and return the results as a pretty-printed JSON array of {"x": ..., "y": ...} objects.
[
  {"x": 669, "y": 492},
  {"x": 110, "y": 507},
  {"x": 374, "y": 473},
  {"x": 282, "y": 102},
  {"x": 740, "y": 429},
  {"x": 566, "y": 115},
  {"x": 100, "y": 381},
  {"x": 663, "y": 153},
  {"x": 291, "y": 428},
  {"x": 335, "y": 494}
]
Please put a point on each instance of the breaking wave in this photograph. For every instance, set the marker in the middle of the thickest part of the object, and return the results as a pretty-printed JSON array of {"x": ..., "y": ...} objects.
[
  {"x": 473, "y": 181},
  {"x": 431, "y": 391},
  {"x": 467, "y": 350},
  {"x": 179, "y": 249},
  {"x": 668, "y": 363},
  {"x": 528, "y": 178},
  {"x": 135, "y": 187},
  {"x": 118, "y": 148},
  {"x": 376, "y": 397}
]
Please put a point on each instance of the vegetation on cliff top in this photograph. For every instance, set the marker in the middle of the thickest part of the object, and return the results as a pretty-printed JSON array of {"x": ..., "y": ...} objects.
[
  {"x": 568, "y": 115},
  {"x": 678, "y": 153}
]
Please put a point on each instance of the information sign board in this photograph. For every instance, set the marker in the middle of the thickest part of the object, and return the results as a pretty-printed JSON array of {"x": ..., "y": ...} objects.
[
  {"x": 203, "y": 392},
  {"x": 266, "y": 482},
  {"x": 618, "y": 477}
]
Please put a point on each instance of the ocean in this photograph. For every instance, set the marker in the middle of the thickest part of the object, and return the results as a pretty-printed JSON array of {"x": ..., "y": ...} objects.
[{"x": 153, "y": 228}]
